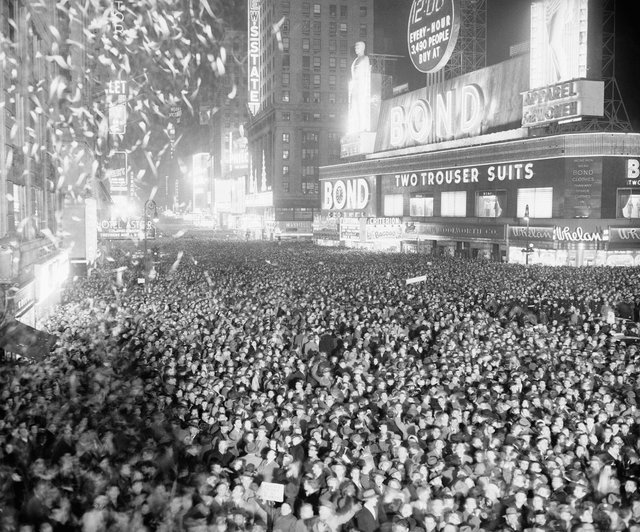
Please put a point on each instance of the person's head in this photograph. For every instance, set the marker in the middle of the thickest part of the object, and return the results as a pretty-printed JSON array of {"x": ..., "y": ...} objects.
[{"x": 359, "y": 47}]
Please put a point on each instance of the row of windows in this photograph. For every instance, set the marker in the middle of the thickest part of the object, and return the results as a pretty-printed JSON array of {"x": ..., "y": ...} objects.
[
  {"x": 489, "y": 204},
  {"x": 307, "y": 187},
  {"x": 492, "y": 204}
]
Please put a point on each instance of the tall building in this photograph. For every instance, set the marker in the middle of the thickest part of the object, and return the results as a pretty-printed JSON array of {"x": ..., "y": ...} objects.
[
  {"x": 32, "y": 263},
  {"x": 299, "y": 67}
]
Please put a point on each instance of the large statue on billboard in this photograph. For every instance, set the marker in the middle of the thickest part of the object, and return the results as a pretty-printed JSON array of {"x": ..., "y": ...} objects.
[{"x": 360, "y": 92}]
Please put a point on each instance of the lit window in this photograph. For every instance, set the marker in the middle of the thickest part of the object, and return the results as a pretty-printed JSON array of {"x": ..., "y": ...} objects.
[
  {"x": 285, "y": 154},
  {"x": 628, "y": 203},
  {"x": 490, "y": 204},
  {"x": 285, "y": 96},
  {"x": 285, "y": 137},
  {"x": 421, "y": 205},
  {"x": 316, "y": 9},
  {"x": 453, "y": 203},
  {"x": 539, "y": 200},
  {"x": 393, "y": 205}
]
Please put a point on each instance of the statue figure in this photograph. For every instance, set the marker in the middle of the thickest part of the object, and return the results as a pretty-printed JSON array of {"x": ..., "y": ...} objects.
[{"x": 360, "y": 91}]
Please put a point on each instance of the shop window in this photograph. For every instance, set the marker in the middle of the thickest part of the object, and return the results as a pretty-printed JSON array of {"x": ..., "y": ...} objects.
[
  {"x": 393, "y": 205},
  {"x": 490, "y": 204},
  {"x": 421, "y": 205},
  {"x": 539, "y": 200},
  {"x": 453, "y": 203},
  {"x": 628, "y": 203}
]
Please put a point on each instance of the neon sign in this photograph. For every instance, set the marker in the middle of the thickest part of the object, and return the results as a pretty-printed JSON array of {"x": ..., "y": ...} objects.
[
  {"x": 345, "y": 194},
  {"x": 254, "y": 56},
  {"x": 454, "y": 112}
]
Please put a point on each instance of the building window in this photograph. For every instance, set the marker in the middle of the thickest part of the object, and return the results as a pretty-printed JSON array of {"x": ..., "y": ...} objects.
[
  {"x": 306, "y": 27},
  {"x": 344, "y": 47},
  {"x": 285, "y": 154},
  {"x": 332, "y": 81},
  {"x": 316, "y": 97},
  {"x": 539, "y": 200},
  {"x": 285, "y": 170},
  {"x": 306, "y": 44},
  {"x": 333, "y": 10},
  {"x": 306, "y": 97},
  {"x": 628, "y": 203},
  {"x": 285, "y": 186},
  {"x": 285, "y": 96},
  {"x": 310, "y": 137},
  {"x": 490, "y": 204},
  {"x": 333, "y": 45},
  {"x": 285, "y": 61},
  {"x": 310, "y": 154},
  {"x": 343, "y": 11},
  {"x": 363, "y": 11},
  {"x": 309, "y": 170},
  {"x": 285, "y": 44},
  {"x": 317, "y": 61},
  {"x": 453, "y": 203},
  {"x": 285, "y": 6},
  {"x": 317, "y": 117},
  {"x": 306, "y": 117},
  {"x": 363, "y": 32},
  {"x": 343, "y": 63},
  {"x": 19, "y": 200},
  {"x": 286, "y": 116},
  {"x": 332, "y": 61},
  {"x": 316, "y": 80},
  {"x": 286, "y": 78},
  {"x": 333, "y": 29},
  {"x": 310, "y": 187},
  {"x": 393, "y": 205},
  {"x": 421, "y": 205},
  {"x": 285, "y": 138},
  {"x": 316, "y": 9},
  {"x": 306, "y": 80},
  {"x": 332, "y": 97},
  {"x": 284, "y": 29},
  {"x": 343, "y": 27},
  {"x": 317, "y": 27},
  {"x": 306, "y": 8}
]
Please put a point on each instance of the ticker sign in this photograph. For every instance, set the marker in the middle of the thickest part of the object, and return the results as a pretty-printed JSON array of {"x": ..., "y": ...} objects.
[{"x": 433, "y": 30}]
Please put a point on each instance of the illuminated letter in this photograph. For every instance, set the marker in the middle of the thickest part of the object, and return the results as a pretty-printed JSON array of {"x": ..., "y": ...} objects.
[
  {"x": 633, "y": 169},
  {"x": 398, "y": 134},
  {"x": 444, "y": 115},
  {"x": 472, "y": 107},
  {"x": 363, "y": 193},
  {"x": 327, "y": 189},
  {"x": 339, "y": 195},
  {"x": 419, "y": 121}
]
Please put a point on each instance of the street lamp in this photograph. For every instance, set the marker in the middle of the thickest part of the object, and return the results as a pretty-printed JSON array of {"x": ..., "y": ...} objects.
[
  {"x": 529, "y": 249},
  {"x": 150, "y": 209}
]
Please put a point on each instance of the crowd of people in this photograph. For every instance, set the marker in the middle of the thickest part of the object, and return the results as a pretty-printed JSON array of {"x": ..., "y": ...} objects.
[{"x": 263, "y": 386}]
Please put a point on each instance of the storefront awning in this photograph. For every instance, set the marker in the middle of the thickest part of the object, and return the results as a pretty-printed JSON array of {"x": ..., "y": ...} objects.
[{"x": 17, "y": 337}]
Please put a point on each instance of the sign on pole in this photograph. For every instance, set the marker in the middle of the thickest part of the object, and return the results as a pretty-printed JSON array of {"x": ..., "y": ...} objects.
[
  {"x": 414, "y": 280},
  {"x": 270, "y": 491}
]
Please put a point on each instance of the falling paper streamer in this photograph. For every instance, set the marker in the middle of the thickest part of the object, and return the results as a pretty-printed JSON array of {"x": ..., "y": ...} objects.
[{"x": 175, "y": 265}]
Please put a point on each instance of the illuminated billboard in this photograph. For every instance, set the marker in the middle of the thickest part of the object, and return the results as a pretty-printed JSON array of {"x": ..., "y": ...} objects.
[
  {"x": 432, "y": 33},
  {"x": 253, "y": 55},
  {"x": 466, "y": 106},
  {"x": 559, "y": 41},
  {"x": 116, "y": 173},
  {"x": 562, "y": 102},
  {"x": 341, "y": 196}
]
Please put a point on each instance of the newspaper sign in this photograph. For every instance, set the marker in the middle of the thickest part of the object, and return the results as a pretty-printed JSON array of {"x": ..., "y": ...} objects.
[
  {"x": 414, "y": 280},
  {"x": 270, "y": 491}
]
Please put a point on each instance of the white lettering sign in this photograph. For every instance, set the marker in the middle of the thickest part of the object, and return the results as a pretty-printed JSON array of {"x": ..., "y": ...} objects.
[
  {"x": 577, "y": 235},
  {"x": 466, "y": 175},
  {"x": 253, "y": 56},
  {"x": 457, "y": 111},
  {"x": 345, "y": 194}
]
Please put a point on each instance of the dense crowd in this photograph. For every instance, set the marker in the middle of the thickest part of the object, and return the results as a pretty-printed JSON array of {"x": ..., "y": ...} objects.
[{"x": 489, "y": 397}]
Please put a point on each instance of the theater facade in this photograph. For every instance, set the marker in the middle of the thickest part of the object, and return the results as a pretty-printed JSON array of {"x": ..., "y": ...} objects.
[{"x": 474, "y": 166}]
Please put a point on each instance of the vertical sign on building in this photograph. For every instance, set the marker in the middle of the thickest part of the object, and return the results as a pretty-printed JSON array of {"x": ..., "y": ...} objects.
[
  {"x": 117, "y": 105},
  {"x": 254, "y": 56},
  {"x": 117, "y": 173}
]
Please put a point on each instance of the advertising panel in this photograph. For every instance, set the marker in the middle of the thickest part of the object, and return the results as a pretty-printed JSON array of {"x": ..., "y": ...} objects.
[
  {"x": 253, "y": 67},
  {"x": 116, "y": 173},
  {"x": 432, "y": 33},
  {"x": 559, "y": 41},
  {"x": 383, "y": 229},
  {"x": 563, "y": 102},
  {"x": 466, "y": 106},
  {"x": 351, "y": 229},
  {"x": 129, "y": 229},
  {"x": 326, "y": 228},
  {"x": 117, "y": 94},
  {"x": 347, "y": 195},
  {"x": 455, "y": 231},
  {"x": 625, "y": 237},
  {"x": 583, "y": 192}
]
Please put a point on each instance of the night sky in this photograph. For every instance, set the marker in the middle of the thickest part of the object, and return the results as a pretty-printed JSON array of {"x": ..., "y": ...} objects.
[{"x": 508, "y": 24}]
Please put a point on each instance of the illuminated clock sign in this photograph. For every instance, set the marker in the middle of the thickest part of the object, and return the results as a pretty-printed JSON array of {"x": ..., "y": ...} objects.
[
  {"x": 432, "y": 34},
  {"x": 254, "y": 55}
]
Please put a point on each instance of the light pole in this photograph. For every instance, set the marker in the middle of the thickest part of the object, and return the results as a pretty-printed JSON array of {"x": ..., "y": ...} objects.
[
  {"x": 527, "y": 249},
  {"x": 150, "y": 209}
]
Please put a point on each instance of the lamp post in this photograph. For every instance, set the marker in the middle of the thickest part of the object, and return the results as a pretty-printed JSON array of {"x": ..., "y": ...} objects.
[
  {"x": 150, "y": 209},
  {"x": 527, "y": 250}
]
